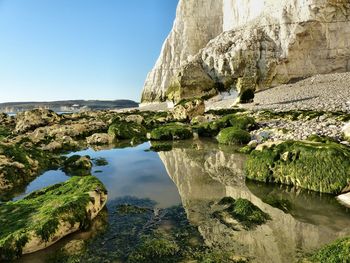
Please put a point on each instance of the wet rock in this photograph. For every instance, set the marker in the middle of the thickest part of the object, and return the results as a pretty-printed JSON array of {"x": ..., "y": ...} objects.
[
  {"x": 99, "y": 139},
  {"x": 187, "y": 110},
  {"x": 77, "y": 165},
  {"x": 30, "y": 120},
  {"x": 135, "y": 118},
  {"x": 45, "y": 216}
]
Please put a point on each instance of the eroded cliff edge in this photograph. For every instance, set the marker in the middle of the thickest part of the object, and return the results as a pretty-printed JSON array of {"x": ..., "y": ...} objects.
[{"x": 251, "y": 44}]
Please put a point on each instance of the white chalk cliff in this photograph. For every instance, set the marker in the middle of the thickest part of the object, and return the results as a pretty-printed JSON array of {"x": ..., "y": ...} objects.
[{"x": 249, "y": 44}]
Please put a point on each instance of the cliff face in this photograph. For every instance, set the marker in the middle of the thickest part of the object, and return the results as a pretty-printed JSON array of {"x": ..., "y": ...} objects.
[
  {"x": 249, "y": 44},
  {"x": 197, "y": 22}
]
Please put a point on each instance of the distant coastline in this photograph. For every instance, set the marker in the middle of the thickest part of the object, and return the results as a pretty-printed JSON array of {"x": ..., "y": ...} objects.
[{"x": 67, "y": 106}]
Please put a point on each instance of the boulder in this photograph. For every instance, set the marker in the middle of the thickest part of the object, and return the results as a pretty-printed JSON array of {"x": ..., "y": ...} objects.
[
  {"x": 30, "y": 120},
  {"x": 99, "y": 139},
  {"x": 189, "y": 109},
  {"x": 45, "y": 216}
]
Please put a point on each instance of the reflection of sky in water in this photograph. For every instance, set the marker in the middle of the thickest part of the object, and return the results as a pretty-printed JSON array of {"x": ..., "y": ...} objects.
[
  {"x": 130, "y": 171},
  {"x": 47, "y": 179}
]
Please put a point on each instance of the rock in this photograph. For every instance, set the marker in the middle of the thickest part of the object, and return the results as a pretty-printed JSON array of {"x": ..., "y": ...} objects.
[
  {"x": 135, "y": 118},
  {"x": 61, "y": 143},
  {"x": 250, "y": 45},
  {"x": 99, "y": 139},
  {"x": 203, "y": 119},
  {"x": 54, "y": 213},
  {"x": 253, "y": 144},
  {"x": 20, "y": 164},
  {"x": 322, "y": 167},
  {"x": 30, "y": 120},
  {"x": 346, "y": 131},
  {"x": 77, "y": 165},
  {"x": 189, "y": 109},
  {"x": 344, "y": 199},
  {"x": 126, "y": 130}
]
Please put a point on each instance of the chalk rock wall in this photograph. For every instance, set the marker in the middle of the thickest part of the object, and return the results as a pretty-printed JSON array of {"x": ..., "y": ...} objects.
[
  {"x": 256, "y": 45},
  {"x": 197, "y": 22}
]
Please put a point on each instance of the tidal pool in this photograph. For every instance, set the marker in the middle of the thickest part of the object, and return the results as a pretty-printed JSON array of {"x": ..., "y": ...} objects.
[{"x": 167, "y": 200}]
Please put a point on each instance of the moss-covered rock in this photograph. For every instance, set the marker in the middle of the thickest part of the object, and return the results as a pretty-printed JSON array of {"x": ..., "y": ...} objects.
[
  {"x": 161, "y": 146},
  {"x": 127, "y": 130},
  {"x": 47, "y": 215},
  {"x": 188, "y": 109},
  {"x": 77, "y": 165},
  {"x": 171, "y": 132},
  {"x": 322, "y": 167},
  {"x": 19, "y": 164},
  {"x": 337, "y": 252},
  {"x": 243, "y": 211},
  {"x": 212, "y": 129},
  {"x": 233, "y": 136}
]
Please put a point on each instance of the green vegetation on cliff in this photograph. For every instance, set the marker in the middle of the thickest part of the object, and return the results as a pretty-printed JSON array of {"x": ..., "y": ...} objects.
[
  {"x": 40, "y": 213},
  {"x": 322, "y": 167}
]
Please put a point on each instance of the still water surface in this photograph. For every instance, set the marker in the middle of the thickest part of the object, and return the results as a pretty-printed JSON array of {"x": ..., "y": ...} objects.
[{"x": 197, "y": 175}]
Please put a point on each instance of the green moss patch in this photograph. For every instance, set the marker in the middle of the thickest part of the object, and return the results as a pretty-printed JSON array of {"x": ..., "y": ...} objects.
[
  {"x": 161, "y": 146},
  {"x": 337, "y": 252},
  {"x": 40, "y": 213},
  {"x": 321, "y": 167},
  {"x": 171, "y": 132},
  {"x": 22, "y": 165},
  {"x": 127, "y": 130},
  {"x": 242, "y": 210},
  {"x": 4, "y": 132},
  {"x": 233, "y": 136},
  {"x": 212, "y": 129}
]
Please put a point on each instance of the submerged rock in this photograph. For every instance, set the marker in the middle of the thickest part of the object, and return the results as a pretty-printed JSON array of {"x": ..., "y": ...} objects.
[
  {"x": 47, "y": 215},
  {"x": 78, "y": 165}
]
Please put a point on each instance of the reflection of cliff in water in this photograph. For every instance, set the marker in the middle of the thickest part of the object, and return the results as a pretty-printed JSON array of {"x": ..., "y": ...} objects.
[{"x": 301, "y": 221}]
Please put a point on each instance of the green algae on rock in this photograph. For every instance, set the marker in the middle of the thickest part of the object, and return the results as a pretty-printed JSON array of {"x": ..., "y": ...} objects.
[
  {"x": 336, "y": 252},
  {"x": 47, "y": 215},
  {"x": 161, "y": 146},
  {"x": 212, "y": 129},
  {"x": 19, "y": 164},
  {"x": 233, "y": 136},
  {"x": 171, "y": 131},
  {"x": 127, "y": 130},
  {"x": 321, "y": 167}
]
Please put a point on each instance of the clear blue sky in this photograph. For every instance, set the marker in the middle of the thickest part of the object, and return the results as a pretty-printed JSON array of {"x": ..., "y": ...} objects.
[{"x": 79, "y": 49}]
